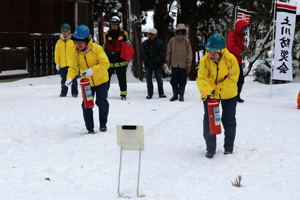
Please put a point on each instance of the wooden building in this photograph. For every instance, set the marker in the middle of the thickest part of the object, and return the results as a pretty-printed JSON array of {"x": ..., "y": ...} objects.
[{"x": 27, "y": 29}]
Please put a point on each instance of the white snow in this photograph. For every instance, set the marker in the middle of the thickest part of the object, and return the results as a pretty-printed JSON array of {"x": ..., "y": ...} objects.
[
  {"x": 13, "y": 72},
  {"x": 46, "y": 154}
]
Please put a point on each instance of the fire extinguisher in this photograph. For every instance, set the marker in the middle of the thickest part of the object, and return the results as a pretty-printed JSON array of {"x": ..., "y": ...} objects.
[
  {"x": 214, "y": 116},
  {"x": 87, "y": 94},
  {"x": 298, "y": 100}
]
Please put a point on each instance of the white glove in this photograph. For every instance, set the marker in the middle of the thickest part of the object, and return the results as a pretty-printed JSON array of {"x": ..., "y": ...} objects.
[
  {"x": 68, "y": 82},
  {"x": 88, "y": 72},
  {"x": 57, "y": 67}
]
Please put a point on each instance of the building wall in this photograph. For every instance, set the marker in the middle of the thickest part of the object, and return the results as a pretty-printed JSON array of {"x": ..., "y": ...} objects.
[
  {"x": 20, "y": 18},
  {"x": 40, "y": 16}
]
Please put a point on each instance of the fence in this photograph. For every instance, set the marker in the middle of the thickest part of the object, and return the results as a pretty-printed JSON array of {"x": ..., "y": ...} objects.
[
  {"x": 33, "y": 52},
  {"x": 41, "y": 59}
]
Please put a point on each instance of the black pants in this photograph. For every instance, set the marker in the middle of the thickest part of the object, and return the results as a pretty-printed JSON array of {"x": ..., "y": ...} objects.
[
  {"x": 158, "y": 76},
  {"x": 64, "y": 89},
  {"x": 100, "y": 92},
  {"x": 229, "y": 124},
  {"x": 241, "y": 81},
  {"x": 178, "y": 80},
  {"x": 121, "y": 74}
]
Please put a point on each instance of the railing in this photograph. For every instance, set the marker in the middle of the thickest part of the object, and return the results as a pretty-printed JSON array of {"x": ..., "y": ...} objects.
[
  {"x": 33, "y": 52},
  {"x": 13, "y": 58},
  {"x": 41, "y": 62}
]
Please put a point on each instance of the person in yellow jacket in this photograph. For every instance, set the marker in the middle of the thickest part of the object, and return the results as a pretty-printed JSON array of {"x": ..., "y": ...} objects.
[
  {"x": 92, "y": 62},
  {"x": 218, "y": 74},
  {"x": 65, "y": 47}
]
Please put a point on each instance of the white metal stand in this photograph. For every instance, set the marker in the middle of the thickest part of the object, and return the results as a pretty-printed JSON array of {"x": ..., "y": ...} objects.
[{"x": 139, "y": 171}]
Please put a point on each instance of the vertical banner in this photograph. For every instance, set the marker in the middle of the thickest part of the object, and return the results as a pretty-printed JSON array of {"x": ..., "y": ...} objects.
[
  {"x": 285, "y": 30},
  {"x": 242, "y": 14}
]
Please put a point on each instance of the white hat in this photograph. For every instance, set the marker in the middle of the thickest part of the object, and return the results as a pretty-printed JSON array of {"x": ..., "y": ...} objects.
[{"x": 153, "y": 30}]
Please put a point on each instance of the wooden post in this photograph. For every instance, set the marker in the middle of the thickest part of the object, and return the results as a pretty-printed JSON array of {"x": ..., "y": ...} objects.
[
  {"x": 43, "y": 57},
  {"x": 100, "y": 27},
  {"x": 37, "y": 57}
]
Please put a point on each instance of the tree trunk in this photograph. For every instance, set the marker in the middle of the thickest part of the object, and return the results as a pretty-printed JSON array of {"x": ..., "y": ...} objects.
[
  {"x": 100, "y": 28},
  {"x": 194, "y": 43},
  {"x": 188, "y": 19},
  {"x": 160, "y": 13},
  {"x": 134, "y": 28},
  {"x": 124, "y": 11}
]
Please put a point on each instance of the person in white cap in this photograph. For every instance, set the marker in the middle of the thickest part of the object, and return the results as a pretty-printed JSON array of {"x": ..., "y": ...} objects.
[
  {"x": 179, "y": 58},
  {"x": 153, "y": 55}
]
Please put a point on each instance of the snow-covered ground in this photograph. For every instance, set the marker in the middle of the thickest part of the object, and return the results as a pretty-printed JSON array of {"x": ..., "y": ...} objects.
[
  {"x": 45, "y": 153},
  {"x": 13, "y": 72}
]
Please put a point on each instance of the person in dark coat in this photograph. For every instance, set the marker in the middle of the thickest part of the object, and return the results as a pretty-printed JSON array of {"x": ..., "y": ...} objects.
[
  {"x": 236, "y": 45},
  {"x": 153, "y": 57}
]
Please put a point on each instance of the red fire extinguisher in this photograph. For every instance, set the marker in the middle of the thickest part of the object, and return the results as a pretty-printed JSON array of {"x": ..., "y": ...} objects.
[
  {"x": 214, "y": 116},
  {"x": 87, "y": 94}
]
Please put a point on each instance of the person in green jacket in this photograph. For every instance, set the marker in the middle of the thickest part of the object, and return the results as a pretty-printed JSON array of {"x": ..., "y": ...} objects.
[
  {"x": 65, "y": 47},
  {"x": 218, "y": 74}
]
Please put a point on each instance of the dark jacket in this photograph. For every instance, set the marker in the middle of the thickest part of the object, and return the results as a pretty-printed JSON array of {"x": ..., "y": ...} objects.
[
  {"x": 153, "y": 53},
  {"x": 235, "y": 40}
]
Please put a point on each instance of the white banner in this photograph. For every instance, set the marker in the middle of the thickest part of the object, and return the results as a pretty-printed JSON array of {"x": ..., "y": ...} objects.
[{"x": 285, "y": 30}]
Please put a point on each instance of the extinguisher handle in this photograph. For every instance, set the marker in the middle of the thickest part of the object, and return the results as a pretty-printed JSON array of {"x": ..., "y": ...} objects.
[
  {"x": 83, "y": 75},
  {"x": 80, "y": 76}
]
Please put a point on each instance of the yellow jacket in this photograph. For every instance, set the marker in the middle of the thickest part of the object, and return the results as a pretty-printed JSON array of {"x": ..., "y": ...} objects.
[
  {"x": 95, "y": 58},
  {"x": 221, "y": 78},
  {"x": 63, "y": 49}
]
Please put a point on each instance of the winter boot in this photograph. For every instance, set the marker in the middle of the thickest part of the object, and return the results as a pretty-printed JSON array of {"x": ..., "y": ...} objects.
[
  {"x": 64, "y": 91},
  {"x": 174, "y": 98},
  {"x": 240, "y": 100},
  {"x": 298, "y": 100},
  {"x": 181, "y": 94},
  {"x": 123, "y": 97},
  {"x": 181, "y": 98},
  {"x": 175, "y": 94},
  {"x": 210, "y": 154},
  {"x": 103, "y": 128},
  {"x": 228, "y": 152},
  {"x": 91, "y": 131}
]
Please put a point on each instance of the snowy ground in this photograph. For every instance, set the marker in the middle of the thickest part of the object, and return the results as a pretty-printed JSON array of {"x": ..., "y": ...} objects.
[{"x": 46, "y": 154}]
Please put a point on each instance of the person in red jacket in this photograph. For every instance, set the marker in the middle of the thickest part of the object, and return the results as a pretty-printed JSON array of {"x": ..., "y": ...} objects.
[{"x": 235, "y": 43}]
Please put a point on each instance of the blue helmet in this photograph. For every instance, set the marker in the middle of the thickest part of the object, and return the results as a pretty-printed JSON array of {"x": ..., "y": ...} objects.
[
  {"x": 82, "y": 32},
  {"x": 65, "y": 27},
  {"x": 215, "y": 42}
]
